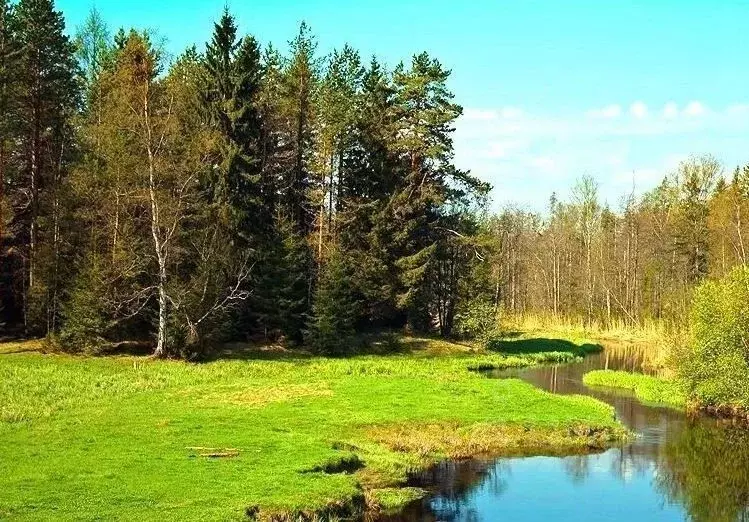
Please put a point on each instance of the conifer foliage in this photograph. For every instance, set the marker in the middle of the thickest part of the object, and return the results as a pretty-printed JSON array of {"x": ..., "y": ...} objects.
[
  {"x": 235, "y": 192},
  {"x": 231, "y": 193}
]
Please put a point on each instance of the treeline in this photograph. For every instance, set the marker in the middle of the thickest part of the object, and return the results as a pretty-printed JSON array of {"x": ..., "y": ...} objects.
[
  {"x": 236, "y": 192},
  {"x": 232, "y": 192},
  {"x": 633, "y": 263}
]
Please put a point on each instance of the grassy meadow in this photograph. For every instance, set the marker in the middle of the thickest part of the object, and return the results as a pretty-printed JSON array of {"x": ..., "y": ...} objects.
[
  {"x": 267, "y": 434},
  {"x": 646, "y": 388}
]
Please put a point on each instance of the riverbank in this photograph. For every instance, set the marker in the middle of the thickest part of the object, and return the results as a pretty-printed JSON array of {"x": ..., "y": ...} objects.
[
  {"x": 646, "y": 388},
  {"x": 268, "y": 433}
]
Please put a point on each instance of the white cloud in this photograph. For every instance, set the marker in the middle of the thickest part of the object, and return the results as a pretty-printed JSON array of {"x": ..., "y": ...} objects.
[
  {"x": 638, "y": 109},
  {"x": 608, "y": 113},
  {"x": 503, "y": 149},
  {"x": 528, "y": 155},
  {"x": 670, "y": 110},
  {"x": 512, "y": 113},
  {"x": 543, "y": 163},
  {"x": 737, "y": 108},
  {"x": 694, "y": 108}
]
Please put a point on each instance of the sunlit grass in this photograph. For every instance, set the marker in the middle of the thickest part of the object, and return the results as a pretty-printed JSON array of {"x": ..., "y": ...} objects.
[
  {"x": 580, "y": 328},
  {"x": 132, "y": 438},
  {"x": 657, "y": 339},
  {"x": 646, "y": 388}
]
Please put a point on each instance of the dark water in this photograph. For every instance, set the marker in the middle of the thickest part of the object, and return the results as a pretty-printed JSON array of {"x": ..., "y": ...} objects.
[{"x": 676, "y": 469}]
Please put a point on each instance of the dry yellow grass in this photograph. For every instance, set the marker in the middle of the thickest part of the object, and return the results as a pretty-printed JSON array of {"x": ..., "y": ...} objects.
[{"x": 458, "y": 442}]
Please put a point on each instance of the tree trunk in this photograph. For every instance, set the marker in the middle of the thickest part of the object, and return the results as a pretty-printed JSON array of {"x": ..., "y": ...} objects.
[
  {"x": 34, "y": 182},
  {"x": 739, "y": 232},
  {"x": 163, "y": 304},
  {"x": 158, "y": 242}
]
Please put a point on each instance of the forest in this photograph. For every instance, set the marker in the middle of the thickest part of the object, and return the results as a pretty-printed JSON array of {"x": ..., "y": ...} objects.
[
  {"x": 233, "y": 192},
  {"x": 261, "y": 267},
  {"x": 229, "y": 193}
]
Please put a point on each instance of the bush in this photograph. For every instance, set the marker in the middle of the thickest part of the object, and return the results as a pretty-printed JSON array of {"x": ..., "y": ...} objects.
[
  {"x": 477, "y": 320},
  {"x": 715, "y": 364}
]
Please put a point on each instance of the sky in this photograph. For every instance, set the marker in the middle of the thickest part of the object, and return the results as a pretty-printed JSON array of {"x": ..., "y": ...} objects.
[{"x": 552, "y": 90}]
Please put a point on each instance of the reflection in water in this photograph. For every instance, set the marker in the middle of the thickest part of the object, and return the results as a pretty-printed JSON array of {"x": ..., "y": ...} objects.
[
  {"x": 677, "y": 469},
  {"x": 706, "y": 468}
]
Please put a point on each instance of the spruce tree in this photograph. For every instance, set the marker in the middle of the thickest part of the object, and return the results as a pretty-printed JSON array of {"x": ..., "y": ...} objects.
[
  {"x": 47, "y": 82},
  {"x": 232, "y": 85},
  {"x": 293, "y": 287},
  {"x": 335, "y": 312}
]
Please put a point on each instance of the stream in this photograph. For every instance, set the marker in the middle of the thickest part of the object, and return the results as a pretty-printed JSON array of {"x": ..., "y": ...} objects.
[{"x": 676, "y": 469}]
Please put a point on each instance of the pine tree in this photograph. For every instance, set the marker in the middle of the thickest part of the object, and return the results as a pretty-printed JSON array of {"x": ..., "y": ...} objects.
[
  {"x": 697, "y": 179},
  {"x": 299, "y": 87},
  {"x": 94, "y": 48},
  {"x": 424, "y": 119},
  {"x": 336, "y": 102}
]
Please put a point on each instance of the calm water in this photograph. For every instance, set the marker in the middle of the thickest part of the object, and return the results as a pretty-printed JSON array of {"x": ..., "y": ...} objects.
[{"x": 677, "y": 469}]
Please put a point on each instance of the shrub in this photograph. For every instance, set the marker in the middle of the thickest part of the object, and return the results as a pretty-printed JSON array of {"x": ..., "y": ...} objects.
[
  {"x": 477, "y": 320},
  {"x": 715, "y": 364}
]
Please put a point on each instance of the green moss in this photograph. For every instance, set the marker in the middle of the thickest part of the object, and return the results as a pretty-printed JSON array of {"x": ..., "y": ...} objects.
[
  {"x": 269, "y": 434},
  {"x": 646, "y": 388}
]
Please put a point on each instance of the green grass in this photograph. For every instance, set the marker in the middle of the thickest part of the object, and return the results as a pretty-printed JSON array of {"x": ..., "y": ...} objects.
[
  {"x": 646, "y": 388},
  {"x": 269, "y": 433}
]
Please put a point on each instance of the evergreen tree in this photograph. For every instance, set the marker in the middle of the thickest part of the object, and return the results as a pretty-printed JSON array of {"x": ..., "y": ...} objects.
[
  {"x": 239, "y": 185},
  {"x": 331, "y": 328},
  {"x": 371, "y": 174},
  {"x": 291, "y": 293},
  {"x": 697, "y": 178},
  {"x": 424, "y": 118},
  {"x": 232, "y": 84},
  {"x": 47, "y": 81},
  {"x": 8, "y": 131},
  {"x": 336, "y": 102},
  {"x": 94, "y": 48},
  {"x": 299, "y": 88}
]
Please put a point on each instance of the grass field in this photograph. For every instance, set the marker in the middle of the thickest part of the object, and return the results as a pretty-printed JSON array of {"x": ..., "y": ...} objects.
[
  {"x": 646, "y": 388},
  {"x": 269, "y": 434}
]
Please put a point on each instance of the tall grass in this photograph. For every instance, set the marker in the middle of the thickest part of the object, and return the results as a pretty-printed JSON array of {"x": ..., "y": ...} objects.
[
  {"x": 657, "y": 339},
  {"x": 647, "y": 330}
]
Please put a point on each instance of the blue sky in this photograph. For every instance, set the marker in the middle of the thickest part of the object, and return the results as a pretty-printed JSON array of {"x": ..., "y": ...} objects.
[{"x": 552, "y": 90}]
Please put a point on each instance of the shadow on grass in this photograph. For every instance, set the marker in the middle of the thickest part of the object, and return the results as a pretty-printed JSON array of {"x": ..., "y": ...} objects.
[
  {"x": 372, "y": 344},
  {"x": 255, "y": 352},
  {"x": 541, "y": 345}
]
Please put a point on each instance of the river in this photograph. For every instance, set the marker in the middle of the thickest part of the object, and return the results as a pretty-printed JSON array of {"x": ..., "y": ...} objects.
[{"x": 676, "y": 469}]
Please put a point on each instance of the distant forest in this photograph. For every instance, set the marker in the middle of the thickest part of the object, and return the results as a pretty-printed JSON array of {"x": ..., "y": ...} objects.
[{"x": 238, "y": 193}]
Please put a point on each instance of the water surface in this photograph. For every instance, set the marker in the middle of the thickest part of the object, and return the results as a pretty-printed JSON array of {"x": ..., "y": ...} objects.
[{"x": 677, "y": 469}]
